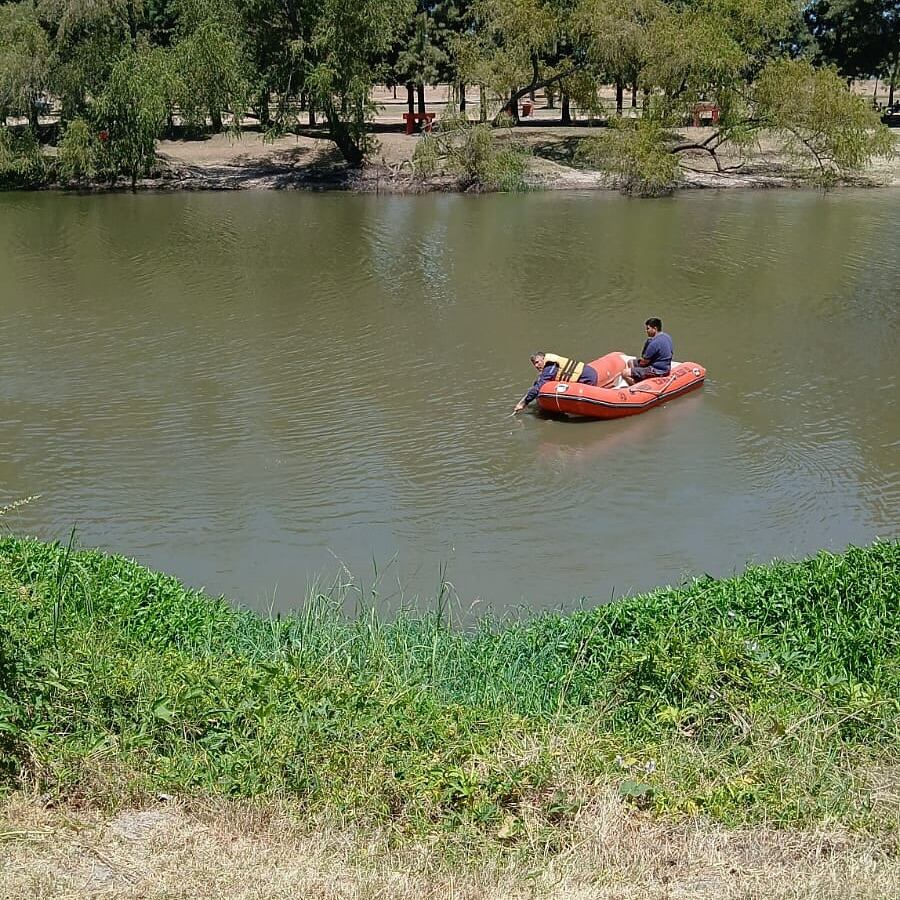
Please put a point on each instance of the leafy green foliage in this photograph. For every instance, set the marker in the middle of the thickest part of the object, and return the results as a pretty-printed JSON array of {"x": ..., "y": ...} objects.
[
  {"x": 275, "y": 40},
  {"x": 24, "y": 60},
  {"x": 639, "y": 153},
  {"x": 81, "y": 68},
  {"x": 347, "y": 39},
  {"x": 618, "y": 35},
  {"x": 517, "y": 46},
  {"x": 860, "y": 37},
  {"x": 78, "y": 152},
  {"x": 210, "y": 64},
  {"x": 10, "y": 714},
  {"x": 819, "y": 119},
  {"x": 22, "y": 164},
  {"x": 713, "y": 52},
  {"x": 759, "y": 697},
  {"x": 423, "y": 52},
  {"x": 473, "y": 154},
  {"x": 132, "y": 111}
]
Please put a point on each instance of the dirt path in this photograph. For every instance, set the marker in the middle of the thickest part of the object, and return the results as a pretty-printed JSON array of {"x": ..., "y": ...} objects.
[{"x": 227, "y": 850}]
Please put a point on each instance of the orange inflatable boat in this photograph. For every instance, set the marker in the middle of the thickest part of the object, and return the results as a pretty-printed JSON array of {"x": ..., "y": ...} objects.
[{"x": 611, "y": 397}]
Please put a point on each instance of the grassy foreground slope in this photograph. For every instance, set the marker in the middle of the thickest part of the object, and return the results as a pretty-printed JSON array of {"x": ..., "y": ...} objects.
[{"x": 769, "y": 697}]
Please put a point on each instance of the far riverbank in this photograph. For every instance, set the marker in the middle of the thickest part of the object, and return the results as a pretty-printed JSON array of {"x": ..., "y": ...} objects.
[
  {"x": 306, "y": 158},
  {"x": 309, "y": 161}
]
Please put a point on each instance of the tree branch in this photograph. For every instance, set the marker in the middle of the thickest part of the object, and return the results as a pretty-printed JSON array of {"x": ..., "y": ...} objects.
[
  {"x": 681, "y": 148},
  {"x": 536, "y": 85}
]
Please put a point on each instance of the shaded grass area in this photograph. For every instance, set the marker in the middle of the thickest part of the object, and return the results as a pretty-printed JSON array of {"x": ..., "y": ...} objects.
[
  {"x": 770, "y": 697},
  {"x": 564, "y": 151}
]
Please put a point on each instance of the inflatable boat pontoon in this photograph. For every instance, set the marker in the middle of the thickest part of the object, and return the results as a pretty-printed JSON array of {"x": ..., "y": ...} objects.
[{"x": 612, "y": 397}]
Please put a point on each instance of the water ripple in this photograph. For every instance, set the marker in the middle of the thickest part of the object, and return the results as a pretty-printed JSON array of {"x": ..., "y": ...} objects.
[{"x": 244, "y": 389}]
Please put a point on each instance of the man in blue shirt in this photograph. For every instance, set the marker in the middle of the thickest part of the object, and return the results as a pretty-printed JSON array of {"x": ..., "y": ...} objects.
[
  {"x": 656, "y": 357},
  {"x": 553, "y": 367}
]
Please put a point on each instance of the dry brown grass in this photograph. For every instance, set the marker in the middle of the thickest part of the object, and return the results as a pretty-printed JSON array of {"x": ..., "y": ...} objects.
[{"x": 224, "y": 849}]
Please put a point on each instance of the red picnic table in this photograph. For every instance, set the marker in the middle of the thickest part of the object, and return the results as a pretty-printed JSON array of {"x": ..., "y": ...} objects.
[{"x": 412, "y": 118}]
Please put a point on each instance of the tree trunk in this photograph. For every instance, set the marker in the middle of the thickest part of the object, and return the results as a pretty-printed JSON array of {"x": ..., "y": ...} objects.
[
  {"x": 482, "y": 104},
  {"x": 512, "y": 107},
  {"x": 395, "y": 91},
  {"x": 895, "y": 71},
  {"x": 342, "y": 138},
  {"x": 620, "y": 90},
  {"x": 410, "y": 97},
  {"x": 566, "y": 117},
  {"x": 634, "y": 95},
  {"x": 264, "y": 117},
  {"x": 132, "y": 24},
  {"x": 551, "y": 98},
  {"x": 462, "y": 96},
  {"x": 536, "y": 84},
  {"x": 215, "y": 116},
  {"x": 420, "y": 106},
  {"x": 33, "y": 122}
]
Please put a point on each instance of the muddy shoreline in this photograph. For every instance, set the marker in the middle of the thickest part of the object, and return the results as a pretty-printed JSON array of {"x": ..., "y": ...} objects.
[
  {"x": 310, "y": 162},
  {"x": 380, "y": 179},
  {"x": 306, "y": 158}
]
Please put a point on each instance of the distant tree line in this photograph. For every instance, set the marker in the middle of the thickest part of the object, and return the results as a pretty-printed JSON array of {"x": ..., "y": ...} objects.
[{"x": 122, "y": 72}]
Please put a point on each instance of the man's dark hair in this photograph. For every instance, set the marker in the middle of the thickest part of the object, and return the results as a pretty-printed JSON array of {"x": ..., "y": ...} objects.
[{"x": 655, "y": 323}]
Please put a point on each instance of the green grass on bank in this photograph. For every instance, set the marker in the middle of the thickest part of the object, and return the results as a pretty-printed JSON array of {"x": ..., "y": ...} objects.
[{"x": 771, "y": 697}]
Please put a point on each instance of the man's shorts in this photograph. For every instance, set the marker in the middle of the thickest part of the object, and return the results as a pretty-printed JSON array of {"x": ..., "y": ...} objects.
[{"x": 640, "y": 373}]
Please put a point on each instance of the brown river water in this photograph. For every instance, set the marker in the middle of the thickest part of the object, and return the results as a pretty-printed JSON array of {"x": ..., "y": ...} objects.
[{"x": 260, "y": 392}]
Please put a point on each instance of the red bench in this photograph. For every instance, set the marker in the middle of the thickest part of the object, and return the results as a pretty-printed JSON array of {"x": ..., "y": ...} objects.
[
  {"x": 412, "y": 118},
  {"x": 703, "y": 111}
]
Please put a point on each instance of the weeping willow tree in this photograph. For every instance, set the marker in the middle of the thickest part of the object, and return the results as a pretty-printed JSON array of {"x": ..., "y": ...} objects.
[
  {"x": 617, "y": 36},
  {"x": 132, "y": 111},
  {"x": 349, "y": 43},
  {"x": 517, "y": 47},
  {"x": 819, "y": 124},
  {"x": 210, "y": 62},
  {"x": 729, "y": 54},
  {"x": 24, "y": 62}
]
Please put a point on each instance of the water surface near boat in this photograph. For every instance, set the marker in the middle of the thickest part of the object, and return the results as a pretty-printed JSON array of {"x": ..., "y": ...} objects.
[{"x": 253, "y": 391}]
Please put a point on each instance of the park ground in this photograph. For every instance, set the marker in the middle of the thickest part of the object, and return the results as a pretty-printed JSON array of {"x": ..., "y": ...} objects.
[{"x": 308, "y": 159}]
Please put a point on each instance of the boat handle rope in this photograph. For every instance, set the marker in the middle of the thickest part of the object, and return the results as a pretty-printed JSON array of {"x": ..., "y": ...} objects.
[{"x": 663, "y": 389}]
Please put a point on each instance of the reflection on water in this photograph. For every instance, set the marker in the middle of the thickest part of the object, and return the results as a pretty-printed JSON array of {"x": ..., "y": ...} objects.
[{"x": 254, "y": 391}]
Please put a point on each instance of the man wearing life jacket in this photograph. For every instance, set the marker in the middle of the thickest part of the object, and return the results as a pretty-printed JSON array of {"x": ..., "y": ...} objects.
[
  {"x": 656, "y": 357},
  {"x": 552, "y": 367}
]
